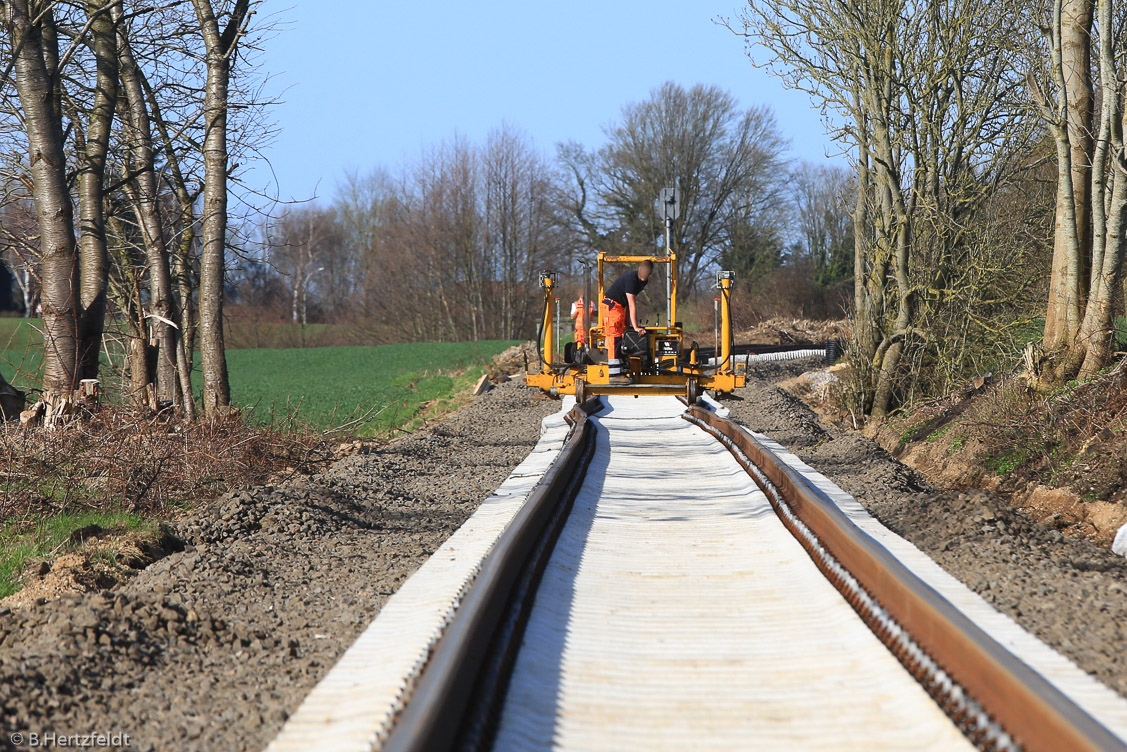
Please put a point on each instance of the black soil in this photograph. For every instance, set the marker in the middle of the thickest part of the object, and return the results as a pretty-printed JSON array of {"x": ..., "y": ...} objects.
[
  {"x": 211, "y": 648},
  {"x": 1069, "y": 592}
]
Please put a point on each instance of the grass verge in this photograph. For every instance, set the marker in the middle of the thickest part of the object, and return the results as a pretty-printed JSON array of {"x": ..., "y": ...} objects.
[
  {"x": 22, "y": 542},
  {"x": 127, "y": 471}
]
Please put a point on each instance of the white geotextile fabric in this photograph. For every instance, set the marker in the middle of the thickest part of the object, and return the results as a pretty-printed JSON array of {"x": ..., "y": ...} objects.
[
  {"x": 1119, "y": 545},
  {"x": 677, "y": 612}
]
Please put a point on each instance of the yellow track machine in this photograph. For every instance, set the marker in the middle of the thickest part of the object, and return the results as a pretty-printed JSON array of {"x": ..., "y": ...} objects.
[{"x": 665, "y": 364}]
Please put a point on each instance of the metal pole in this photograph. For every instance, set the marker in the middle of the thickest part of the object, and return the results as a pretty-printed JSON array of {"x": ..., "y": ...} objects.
[
  {"x": 716, "y": 327},
  {"x": 587, "y": 300},
  {"x": 669, "y": 272},
  {"x": 559, "y": 338},
  {"x": 726, "y": 324}
]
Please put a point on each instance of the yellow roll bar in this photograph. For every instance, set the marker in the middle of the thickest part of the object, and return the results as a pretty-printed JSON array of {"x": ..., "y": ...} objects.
[{"x": 670, "y": 259}]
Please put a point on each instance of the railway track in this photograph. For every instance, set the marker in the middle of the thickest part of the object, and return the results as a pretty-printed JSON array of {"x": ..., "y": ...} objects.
[{"x": 653, "y": 577}]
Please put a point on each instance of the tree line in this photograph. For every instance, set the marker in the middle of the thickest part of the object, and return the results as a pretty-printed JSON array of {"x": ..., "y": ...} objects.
[
  {"x": 990, "y": 187},
  {"x": 121, "y": 124},
  {"x": 450, "y": 246},
  {"x": 987, "y": 196},
  {"x": 122, "y": 129}
]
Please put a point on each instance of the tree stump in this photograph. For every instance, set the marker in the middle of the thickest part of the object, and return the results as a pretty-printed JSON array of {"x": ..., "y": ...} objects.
[{"x": 59, "y": 409}]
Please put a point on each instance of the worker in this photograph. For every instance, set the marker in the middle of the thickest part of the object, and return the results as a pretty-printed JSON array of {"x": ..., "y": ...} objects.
[
  {"x": 620, "y": 307},
  {"x": 582, "y": 315}
]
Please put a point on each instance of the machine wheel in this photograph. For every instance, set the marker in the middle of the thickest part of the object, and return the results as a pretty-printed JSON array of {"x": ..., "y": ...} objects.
[
  {"x": 580, "y": 391},
  {"x": 692, "y": 392}
]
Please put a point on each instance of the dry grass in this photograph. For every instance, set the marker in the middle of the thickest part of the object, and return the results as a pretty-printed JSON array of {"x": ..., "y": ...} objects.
[
  {"x": 1074, "y": 437},
  {"x": 1047, "y": 432},
  {"x": 124, "y": 460}
]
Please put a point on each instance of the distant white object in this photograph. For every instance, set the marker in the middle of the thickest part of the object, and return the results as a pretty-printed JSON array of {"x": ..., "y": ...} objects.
[
  {"x": 814, "y": 352},
  {"x": 1119, "y": 545}
]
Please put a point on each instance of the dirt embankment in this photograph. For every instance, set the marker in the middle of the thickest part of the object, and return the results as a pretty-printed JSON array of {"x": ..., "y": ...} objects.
[
  {"x": 793, "y": 332},
  {"x": 210, "y": 648},
  {"x": 1068, "y": 590},
  {"x": 1059, "y": 457}
]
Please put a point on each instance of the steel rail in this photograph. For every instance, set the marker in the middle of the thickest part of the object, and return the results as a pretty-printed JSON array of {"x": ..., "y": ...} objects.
[
  {"x": 465, "y": 678},
  {"x": 998, "y": 701}
]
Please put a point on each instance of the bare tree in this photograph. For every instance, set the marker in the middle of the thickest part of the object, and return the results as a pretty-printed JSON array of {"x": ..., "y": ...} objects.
[
  {"x": 220, "y": 45},
  {"x": 135, "y": 116},
  {"x": 522, "y": 227},
  {"x": 301, "y": 244},
  {"x": 726, "y": 162},
  {"x": 93, "y": 256},
  {"x": 446, "y": 250},
  {"x": 823, "y": 220},
  {"x": 1090, "y": 226},
  {"x": 933, "y": 118},
  {"x": 1070, "y": 40},
  {"x": 368, "y": 209},
  {"x": 172, "y": 378}
]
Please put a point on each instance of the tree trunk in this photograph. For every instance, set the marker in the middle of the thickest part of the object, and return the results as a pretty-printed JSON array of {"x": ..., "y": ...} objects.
[
  {"x": 92, "y": 256},
  {"x": 37, "y": 86},
  {"x": 182, "y": 256},
  {"x": 890, "y": 362},
  {"x": 1096, "y": 334},
  {"x": 1072, "y": 50},
  {"x": 1109, "y": 210},
  {"x": 145, "y": 199},
  {"x": 216, "y": 388},
  {"x": 864, "y": 324},
  {"x": 1076, "y": 57}
]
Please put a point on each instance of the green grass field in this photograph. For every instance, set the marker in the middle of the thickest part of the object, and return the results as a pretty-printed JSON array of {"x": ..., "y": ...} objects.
[
  {"x": 376, "y": 389},
  {"x": 20, "y": 334},
  {"x": 371, "y": 390},
  {"x": 21, "y": 352}
]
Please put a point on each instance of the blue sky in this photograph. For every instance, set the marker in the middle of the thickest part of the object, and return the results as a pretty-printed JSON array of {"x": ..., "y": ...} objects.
[{"x": 373, "y": 82}]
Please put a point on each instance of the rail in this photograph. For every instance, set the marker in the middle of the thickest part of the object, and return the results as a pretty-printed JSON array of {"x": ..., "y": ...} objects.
[
  {"x": 997, "y": 700},
  {"x": 464, "y": 680}
]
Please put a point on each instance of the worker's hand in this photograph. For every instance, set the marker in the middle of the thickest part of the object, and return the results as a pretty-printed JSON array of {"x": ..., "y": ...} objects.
[{"x": 639, "y": 330}]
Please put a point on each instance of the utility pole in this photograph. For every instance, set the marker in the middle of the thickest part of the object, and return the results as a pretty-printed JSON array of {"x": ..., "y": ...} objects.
[{"x": 669, "y": 212}]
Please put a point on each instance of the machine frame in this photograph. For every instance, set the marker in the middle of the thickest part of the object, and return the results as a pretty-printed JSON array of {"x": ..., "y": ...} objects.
[{"x": 671, "y": 366}]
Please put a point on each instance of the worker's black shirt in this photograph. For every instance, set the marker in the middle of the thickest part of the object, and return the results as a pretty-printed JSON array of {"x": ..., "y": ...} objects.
[{"x": 627, "y": 283}]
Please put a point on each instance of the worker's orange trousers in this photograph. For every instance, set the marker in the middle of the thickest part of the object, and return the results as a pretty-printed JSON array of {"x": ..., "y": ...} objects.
[{"x": 614, "y": 326}]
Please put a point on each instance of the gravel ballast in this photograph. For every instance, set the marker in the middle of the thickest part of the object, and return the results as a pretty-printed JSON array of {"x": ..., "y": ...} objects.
[
  {"x": 211, "y": 648},
  {"x": 1068, "y": 592}
]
